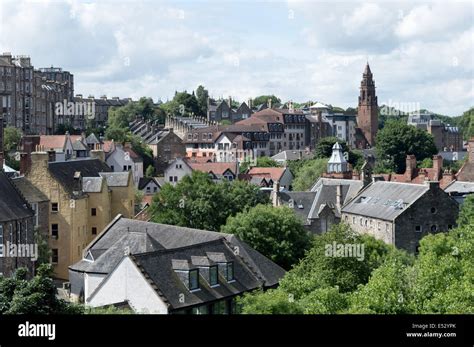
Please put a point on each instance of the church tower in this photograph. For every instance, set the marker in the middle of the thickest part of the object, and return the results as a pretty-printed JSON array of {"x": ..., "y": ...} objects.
[{"x": 367, "y": 114}]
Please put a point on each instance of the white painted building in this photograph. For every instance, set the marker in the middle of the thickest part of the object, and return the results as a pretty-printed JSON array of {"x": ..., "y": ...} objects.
[{"x": 123, "y": 159}]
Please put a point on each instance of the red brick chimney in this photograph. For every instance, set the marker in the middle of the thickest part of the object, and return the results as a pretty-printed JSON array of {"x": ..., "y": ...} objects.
[
  {"x": 437, "y": 166},
  {"x": 410, "y": 167}
]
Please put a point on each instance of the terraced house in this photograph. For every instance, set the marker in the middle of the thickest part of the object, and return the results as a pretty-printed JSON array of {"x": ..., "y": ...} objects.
[{"x": 84, "y": 196}]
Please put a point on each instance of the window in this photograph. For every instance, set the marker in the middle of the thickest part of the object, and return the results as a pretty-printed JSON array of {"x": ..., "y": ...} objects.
[
  {"x": 220, "y": 307},
  {"x": 54, "y": 207},
  {"x": 434, "y": 227},
  {"x": 433, "y": 210},
  {"x": 193, "y": 279},
  {"x": 54, "y": 256},
  {"x": 148, "y": 189},
  {"x": 171, "y": 178},
  {"x": 112, "y": 168},
  {"x": 213, "y": 280},
  {"x": 418, "y": 228},
  {"x": 93, "y": 211},
  {"x": 55, "y": 231},
  {"x": 229, "y": 273},
  {"x": 155, "y": 189},
  {"x": 94, "y": 231},
  {"x": 450, "y": 226}
]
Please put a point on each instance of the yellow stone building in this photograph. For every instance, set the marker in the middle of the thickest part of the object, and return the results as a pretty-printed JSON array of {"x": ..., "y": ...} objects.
[{"x": 84, "y": 197}]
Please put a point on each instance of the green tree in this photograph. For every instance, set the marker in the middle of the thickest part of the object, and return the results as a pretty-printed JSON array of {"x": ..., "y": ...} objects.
[
  {"x": 263, "y": 99},
  {"x": 119, "y": 135},
  {"x": 425, "y": 163},
  {"x": 197, "y": 202},
  {"x": 397, "y": 139},
  {"x": 183, "y": 104},
  {"x": 62, "y": 129},
  {"x": 466, "y": 215},
  {"x": 275, "y": 232},
  {"x": 387, "y": 291},
  {"x": 11, "y": 138},
  {"x": 202, "y": 95},
  {"x": 466, "y": 123},
  {"x": 36, "y": 296},
  {"x": 150, "y": 171},
  {"x": 309, "y": 173},
  {"x": 261, "y": 162},
  {"x": 273, "y": 301}
]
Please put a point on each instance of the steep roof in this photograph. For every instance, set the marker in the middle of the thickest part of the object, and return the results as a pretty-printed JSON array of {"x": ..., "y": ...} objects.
[
  {"x": 216, "y": 168},
  {"x": 385, "y": 200},
  {"x": 275, "y": 173},
  {"x": 28, "y": 190},
  {"x": 116, "y": 179},
  {"x": 13, "y": 206},
  {"x": 64, "y": 171},
  {"x": 109, "y": 246},
  {"x": 158, "y": 269},
  {"x": 92, "y": 184}
]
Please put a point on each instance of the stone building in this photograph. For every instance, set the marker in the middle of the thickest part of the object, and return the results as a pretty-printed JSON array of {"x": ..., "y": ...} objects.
[
  {"x": 84, "y": 196},
  {"x": 446, "y": 137},
  {"x": 401, "y": 214},
  {"x": 16, "y": 230},
  {"x": 218, "y": 111},
  {"x": 367, "y": 113}
]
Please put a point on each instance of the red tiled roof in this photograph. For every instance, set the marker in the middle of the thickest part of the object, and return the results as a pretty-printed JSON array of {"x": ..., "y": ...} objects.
[
  {"x": 275, "y": 173},
  {"x": 52, "y": 141},
  {"x": 215, "y": 168}
]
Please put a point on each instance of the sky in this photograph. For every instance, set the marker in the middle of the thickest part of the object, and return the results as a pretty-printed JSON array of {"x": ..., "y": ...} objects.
[{"x": 421, "y": 53}]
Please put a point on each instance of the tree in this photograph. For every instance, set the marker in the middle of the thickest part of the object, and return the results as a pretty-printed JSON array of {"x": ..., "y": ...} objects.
[
  {"x": 275, "y": 232},
  {"x": 309, "y": 173},
  {"x": 150, "y": 171},
  {"x": 62, "y": 129},
  {"x": 466, "y": 123},
  {"x": 261, "y": 162},
  {"x": 397, "y": 139},
  {"x": 322, "y": 268},
  {"x": 11, "y": 138},
  {"x": 36, "y": 296},
  {"x": 263, "y": 99},
  {"x": 273, "y": 301},
  {"x": 202, "y": 95},
  {"x": 425, "y": 163},
  {"x": 119, "y": 135},
  {"x": 466, "y": 215},
  {"x": 324, "y": 150},
  {"x": 197, "y": 202},
  {"x": 183, "y": 104}
]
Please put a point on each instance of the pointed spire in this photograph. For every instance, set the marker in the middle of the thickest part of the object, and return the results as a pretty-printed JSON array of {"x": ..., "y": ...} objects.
[{"x": 367, "y": 69}]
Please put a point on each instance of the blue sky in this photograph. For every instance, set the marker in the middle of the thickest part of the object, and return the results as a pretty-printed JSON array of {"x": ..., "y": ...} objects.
[{"x": 421, "y": 53}]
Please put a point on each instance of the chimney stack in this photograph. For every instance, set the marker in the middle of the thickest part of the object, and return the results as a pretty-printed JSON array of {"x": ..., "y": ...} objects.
[
  {"x": 275, "y": 192},
  {"x": 410, "y": 166},
  {"x": 98, "y": 153},
  {"x": 437, "y": 166},
  {"x": 249, "y": 103},
  {"x": 339, "y": 196},
  {"x": 269, "y": 103}
]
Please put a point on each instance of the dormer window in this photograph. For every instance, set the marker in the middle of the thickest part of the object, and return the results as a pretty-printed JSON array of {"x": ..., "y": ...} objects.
[
  {"x": 194, "y": 279},
  {"x": 229, "y": 272},
  {"x": 213, "y": 276}
]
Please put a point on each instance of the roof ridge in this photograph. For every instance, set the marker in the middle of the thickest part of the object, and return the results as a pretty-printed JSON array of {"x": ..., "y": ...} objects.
[{"x": 170, "y": 250}]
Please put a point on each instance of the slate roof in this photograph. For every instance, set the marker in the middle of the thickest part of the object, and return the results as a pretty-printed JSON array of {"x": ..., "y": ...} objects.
[
  {"x": 292, "y": 155},
  {"x": 145, "y": 180},
  {"x": 64, "y": 172},
  {"x": 92, "y": 184},
  {"x": 116, "y": 179},
  {"x": 354, "y": 186},
  {"x": 162, "y": 277},
  {"x": 460, "y": 187},
  {"x": 141, "y": 237},
  {"x": 28, "y": 190},
  {"x": 13, "y": 206},
  {"x": 216, "y": 168},
  {"x": 385, "y": 200}
]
